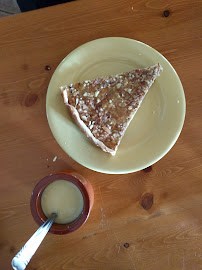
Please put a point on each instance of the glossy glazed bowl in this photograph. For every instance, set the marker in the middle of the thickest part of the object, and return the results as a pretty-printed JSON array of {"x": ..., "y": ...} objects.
[{"x": 82, "y": 184}]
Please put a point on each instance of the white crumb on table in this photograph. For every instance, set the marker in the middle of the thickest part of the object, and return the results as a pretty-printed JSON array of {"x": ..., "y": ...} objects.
[{"x": 54, "y": 159}]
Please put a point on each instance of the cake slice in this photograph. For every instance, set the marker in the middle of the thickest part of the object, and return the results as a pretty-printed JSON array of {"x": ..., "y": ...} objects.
[{"x": 104, "y": 107}]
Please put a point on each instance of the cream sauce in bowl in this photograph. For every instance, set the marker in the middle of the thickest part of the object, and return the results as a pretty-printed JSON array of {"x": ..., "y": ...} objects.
[{"x": 63, "y": 198}]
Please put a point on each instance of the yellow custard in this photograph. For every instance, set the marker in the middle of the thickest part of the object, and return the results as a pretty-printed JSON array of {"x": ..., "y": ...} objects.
[{"x": 63, "y": 198}]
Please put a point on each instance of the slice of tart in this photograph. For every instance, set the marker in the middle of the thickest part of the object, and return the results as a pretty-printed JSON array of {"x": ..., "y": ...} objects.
[{"x": 104, "y": 107}]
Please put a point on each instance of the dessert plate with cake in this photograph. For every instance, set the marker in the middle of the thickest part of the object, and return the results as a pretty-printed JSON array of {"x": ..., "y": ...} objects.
[{"x": 115, "y": 105}]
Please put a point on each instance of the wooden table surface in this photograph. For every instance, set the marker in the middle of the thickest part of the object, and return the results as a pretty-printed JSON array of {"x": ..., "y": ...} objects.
[{"x": 151, "y": 219}]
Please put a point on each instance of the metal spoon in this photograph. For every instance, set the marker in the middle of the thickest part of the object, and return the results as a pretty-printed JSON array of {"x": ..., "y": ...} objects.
[{"x": 22, "y": 258}]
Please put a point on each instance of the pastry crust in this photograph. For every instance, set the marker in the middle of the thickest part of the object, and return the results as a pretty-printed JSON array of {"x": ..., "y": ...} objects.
[
  {"x": 104, "y": 107},
  {"x": 74, "y": 113}
]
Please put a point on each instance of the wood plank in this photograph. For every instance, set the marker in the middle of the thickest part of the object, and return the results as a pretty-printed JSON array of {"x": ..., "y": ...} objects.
[{"x": 156, "y": 211}]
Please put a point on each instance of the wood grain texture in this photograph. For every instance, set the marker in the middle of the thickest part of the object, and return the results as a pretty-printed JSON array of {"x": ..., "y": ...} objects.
[{"x": 146, "y": 220}]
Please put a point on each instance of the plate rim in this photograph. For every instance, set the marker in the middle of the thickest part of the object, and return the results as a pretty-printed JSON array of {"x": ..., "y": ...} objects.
[{"x": 122, "y": 171}]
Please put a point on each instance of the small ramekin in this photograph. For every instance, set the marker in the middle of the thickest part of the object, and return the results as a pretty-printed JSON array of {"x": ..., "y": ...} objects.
[{"x": 82, "y": 184}]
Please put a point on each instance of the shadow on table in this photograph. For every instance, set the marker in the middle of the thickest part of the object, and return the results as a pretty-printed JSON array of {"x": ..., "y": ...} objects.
[{"x": 27, "y": 5}]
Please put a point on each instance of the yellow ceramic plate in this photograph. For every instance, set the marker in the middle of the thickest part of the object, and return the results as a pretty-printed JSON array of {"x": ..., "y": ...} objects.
[{"x": 154, "y": 129}]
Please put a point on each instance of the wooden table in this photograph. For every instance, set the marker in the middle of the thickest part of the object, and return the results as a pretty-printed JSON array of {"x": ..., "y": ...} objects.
[{"x": 146, "y": 220}]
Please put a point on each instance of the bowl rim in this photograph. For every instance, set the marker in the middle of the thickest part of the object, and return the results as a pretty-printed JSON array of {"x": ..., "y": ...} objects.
[{"x": 35, "y": 202}]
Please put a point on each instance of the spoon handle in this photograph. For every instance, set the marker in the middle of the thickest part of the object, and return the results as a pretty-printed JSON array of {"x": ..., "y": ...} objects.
[{"x": 22, "y": 258}]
